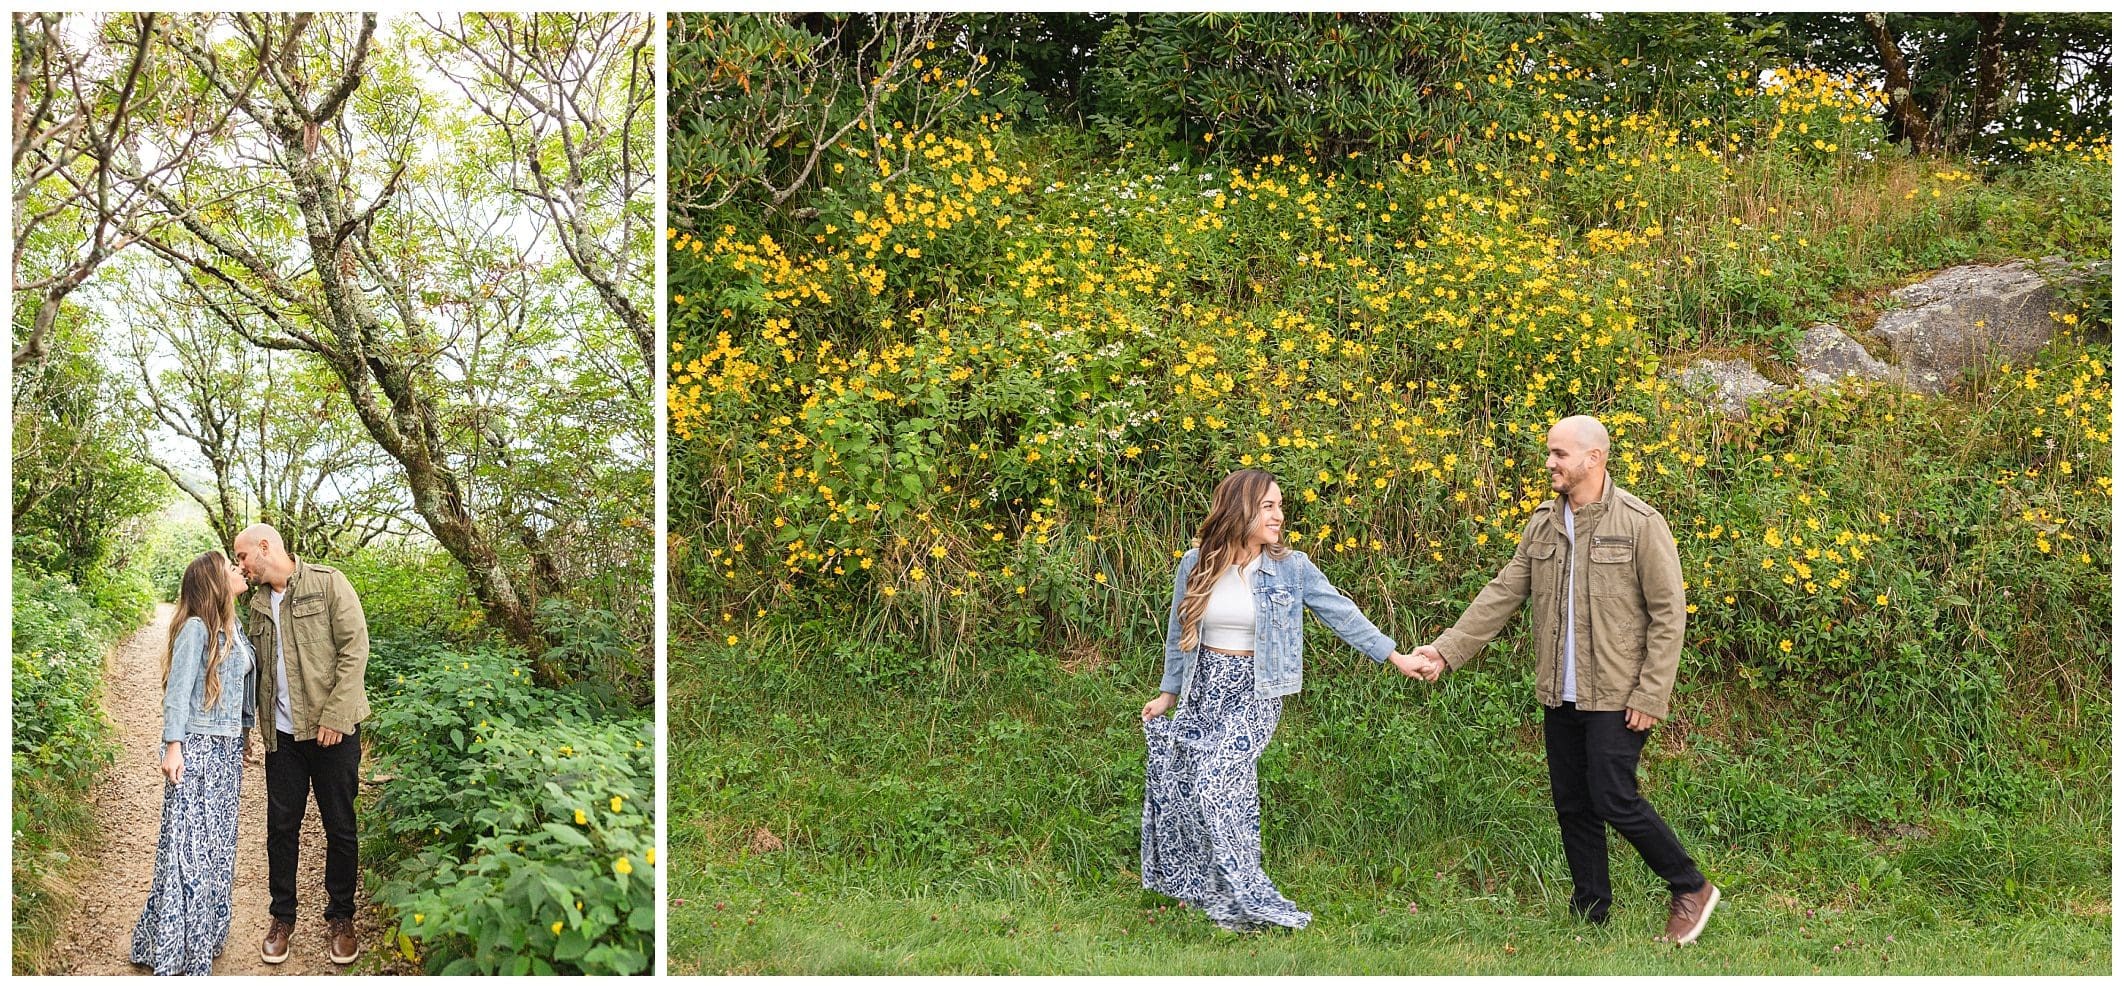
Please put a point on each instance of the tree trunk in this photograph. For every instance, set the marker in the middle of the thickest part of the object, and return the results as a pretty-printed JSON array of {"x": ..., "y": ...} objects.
[
  {"x": 1991, "y": 77},
  {"x": 1903, "y": 109},
  {"x": 409, "y": 430}
]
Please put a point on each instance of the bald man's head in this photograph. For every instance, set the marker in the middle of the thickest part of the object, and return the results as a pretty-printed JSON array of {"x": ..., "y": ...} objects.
[
  {"x": 1584, "y": 431},
  {"x": 1578, "y": 458},
  {"x": 263, "y": 556}
]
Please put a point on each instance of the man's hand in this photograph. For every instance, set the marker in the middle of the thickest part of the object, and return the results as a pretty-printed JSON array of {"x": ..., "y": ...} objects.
[
  {"x": 327, "y": 737},
  {"x": 1412, "y": 666},
  {"x": 1638, "y": 720},
  {"x": 1434, "y": 661}
]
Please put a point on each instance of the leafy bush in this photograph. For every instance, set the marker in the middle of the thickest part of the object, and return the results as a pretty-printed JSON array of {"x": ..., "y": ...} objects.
[
  {"x": 1325, "y": 83},
  {"x": 592, "y": 653},
  {"x": 410, "y": 592},
  {"x": 519, "y": 830},
  {"x": 62, "y": 744}
]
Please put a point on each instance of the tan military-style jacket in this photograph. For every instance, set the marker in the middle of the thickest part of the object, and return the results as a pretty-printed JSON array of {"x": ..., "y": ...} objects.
[
  {"x": 1630, "y": 609},
  {"x": 327, "y": 641}
]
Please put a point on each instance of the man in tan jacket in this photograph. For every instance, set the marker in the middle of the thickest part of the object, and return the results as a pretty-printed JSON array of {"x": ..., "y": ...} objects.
[
  {"x": 312, "y": 643},
  {"x": 1604, "y": 578}
]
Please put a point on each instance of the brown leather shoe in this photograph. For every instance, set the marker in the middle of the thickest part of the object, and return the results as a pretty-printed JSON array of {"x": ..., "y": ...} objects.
[
  {"x": 275, "y": 948},
  {"x": 1688, "y": 912},
  {"x": 344, "y": 947}
]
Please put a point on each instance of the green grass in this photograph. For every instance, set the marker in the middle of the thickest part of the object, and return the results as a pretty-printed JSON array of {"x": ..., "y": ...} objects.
[
  {"x": 780, "y": 923},
  {"x": 833, "y": 808}
]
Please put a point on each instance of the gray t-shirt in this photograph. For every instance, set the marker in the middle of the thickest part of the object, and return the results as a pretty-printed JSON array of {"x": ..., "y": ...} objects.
[{"x": 283, "y": 715}]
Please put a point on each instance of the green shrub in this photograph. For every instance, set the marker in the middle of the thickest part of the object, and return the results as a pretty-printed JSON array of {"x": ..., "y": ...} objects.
[
  {"x": 62, "y": 744},
  {"x": 410, "y": 592},
  {"x": 519, "y": 829}
]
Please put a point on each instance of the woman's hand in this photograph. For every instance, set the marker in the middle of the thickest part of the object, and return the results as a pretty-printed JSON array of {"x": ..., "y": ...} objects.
[
  {"x": 173, "y": 761},
  {"x": 1158, "y": 705}
]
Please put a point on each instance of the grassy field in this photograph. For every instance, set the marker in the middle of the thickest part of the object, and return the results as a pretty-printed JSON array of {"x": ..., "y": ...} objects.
[
  {"x": 824, "y": 824},
  {"x": 776, "y": 927}
]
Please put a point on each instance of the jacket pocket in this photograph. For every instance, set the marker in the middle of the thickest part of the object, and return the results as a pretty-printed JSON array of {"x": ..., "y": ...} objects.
[
  {"x": 1614, "y": 566},
  {"x": 306, "y": 618},
  {"x": 1619, "y": 631},
  {"x": 1282, "y": 607},
  {"x": 1545, "y": 567}
]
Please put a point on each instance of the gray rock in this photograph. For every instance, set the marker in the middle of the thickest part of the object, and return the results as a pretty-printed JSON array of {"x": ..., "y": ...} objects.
[
  {"x": 1965, "y": 316},
  {"x": 1827, "y": 356},
  {"x": 1728, "y": 384}
]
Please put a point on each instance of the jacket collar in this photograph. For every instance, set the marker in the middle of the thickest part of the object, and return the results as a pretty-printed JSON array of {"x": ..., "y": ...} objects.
[
  {"x": 1271, "y": 567},
  {"x": 262, "y": 594}
]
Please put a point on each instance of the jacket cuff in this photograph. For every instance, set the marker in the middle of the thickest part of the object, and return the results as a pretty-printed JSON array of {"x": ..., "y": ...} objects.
[
  {"x": 1457, "y": 647},
  {"x": 170, "y": 734},
  {"x": 337, "y": 723},
  {"x": 1170, "y": 683},
  {"x": 1646, "y": 703}
]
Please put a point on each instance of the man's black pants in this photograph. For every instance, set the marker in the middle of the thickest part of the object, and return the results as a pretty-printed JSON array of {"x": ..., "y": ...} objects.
[
  {"x": 293, "y": 771},
  {"x": 1593, "y": 779}
]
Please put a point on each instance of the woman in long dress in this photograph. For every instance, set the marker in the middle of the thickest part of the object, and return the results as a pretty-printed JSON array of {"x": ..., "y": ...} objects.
[
  {"x": 1233, "y": 644},
  {"x": 209, "y": 678}
]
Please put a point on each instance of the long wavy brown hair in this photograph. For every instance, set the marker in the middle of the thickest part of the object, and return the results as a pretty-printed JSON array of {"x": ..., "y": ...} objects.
[
  {"x": 1221, "y": 541},
  {"x": 204, "y": 594}
]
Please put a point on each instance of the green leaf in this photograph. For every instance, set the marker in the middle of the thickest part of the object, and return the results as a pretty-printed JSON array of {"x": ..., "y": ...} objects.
[{"x": 566, "y": 834}]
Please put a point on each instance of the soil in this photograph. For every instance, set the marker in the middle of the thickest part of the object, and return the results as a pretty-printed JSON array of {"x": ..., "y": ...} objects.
[{"x": 121, "y": 867}]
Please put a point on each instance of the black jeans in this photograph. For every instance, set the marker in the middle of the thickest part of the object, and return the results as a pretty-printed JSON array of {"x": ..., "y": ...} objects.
[
  {"x": 294, "y": 770},
  {"x": 1593, "y": 779}
]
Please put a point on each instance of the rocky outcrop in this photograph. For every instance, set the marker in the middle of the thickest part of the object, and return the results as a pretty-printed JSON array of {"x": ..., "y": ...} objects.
[
  {"x": 1965, "y": 316},
  {"x": 1728, "y": 384},
  {"x": 1949, "y": 323},
  {"x": 1828, "y": 356}
]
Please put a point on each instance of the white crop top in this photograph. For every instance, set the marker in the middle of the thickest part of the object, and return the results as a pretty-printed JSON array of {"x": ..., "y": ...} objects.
[{"x": 1228, "y": 621}]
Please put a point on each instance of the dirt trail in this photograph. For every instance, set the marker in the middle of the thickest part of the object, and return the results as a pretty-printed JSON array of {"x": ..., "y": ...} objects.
[{"x": 121, "y": 869}]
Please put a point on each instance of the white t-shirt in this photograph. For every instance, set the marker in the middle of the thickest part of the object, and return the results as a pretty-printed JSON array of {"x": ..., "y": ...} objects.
[
  {"x": 1570, "y": 641},
  {"x": 283, "y": 715},
  {"x": 1228, "y": 621}
]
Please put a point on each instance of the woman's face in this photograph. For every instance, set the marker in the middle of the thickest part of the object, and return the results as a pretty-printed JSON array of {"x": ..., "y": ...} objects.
[
  {"x": 1268, "y": 518},
  {"x": 234, "y": 579}
]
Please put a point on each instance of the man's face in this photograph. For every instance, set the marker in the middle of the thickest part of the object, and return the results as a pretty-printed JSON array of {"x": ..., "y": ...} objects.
[
  {"x": 1569, "y": 463},
  {"x": 251, "y": 557}
]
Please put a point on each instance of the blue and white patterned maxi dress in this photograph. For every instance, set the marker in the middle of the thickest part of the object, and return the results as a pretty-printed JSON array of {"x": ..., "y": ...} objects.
[
  {"x": 1202, "y": 802},
  {"x": 186, "y": 920}
]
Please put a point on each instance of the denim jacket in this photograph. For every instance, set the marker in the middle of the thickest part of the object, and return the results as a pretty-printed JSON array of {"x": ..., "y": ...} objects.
[
  {"x": 184, "y": 709},
  {"x": 1283, "y": 590}
]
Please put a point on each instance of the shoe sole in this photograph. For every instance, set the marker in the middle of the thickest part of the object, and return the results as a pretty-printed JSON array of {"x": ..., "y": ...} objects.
[
  {"x": 1702, "y": 918},
  {"x": 270, "y": 959},
  {"x": 349, "y": 959}
]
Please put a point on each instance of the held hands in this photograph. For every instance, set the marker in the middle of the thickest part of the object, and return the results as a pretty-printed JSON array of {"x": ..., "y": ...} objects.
[
  {"x": 1436, "y": 659},
  {"x": 1426, "y": 663},
  {"x": 1158, "y": 706}
]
